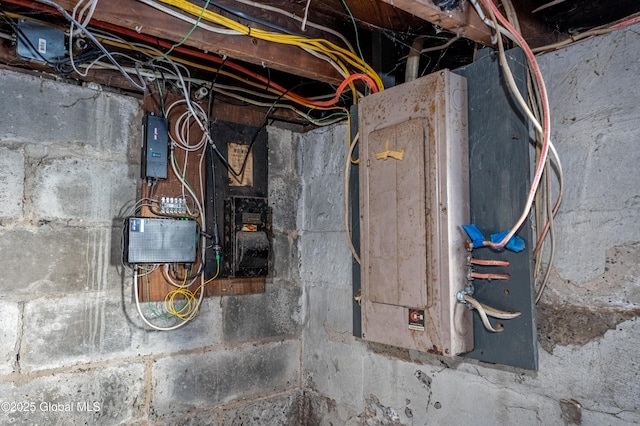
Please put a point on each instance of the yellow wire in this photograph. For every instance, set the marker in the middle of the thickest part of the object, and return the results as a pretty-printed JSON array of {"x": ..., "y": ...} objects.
[
  {"x": 236, "y": 77},
  {"x": 337, "y": 53},
  {"x": 215, "y": 276},
  {"x": 190, "y": 308}
]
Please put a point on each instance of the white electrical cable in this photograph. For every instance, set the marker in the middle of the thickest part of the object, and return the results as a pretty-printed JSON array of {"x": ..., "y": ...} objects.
[
  {"x": 299, "y": 19},
  {"x": 186, "y": 18},
  {"x": 525, "y": 108},
  {"x": 502, "y": 30},
  {"x": 83, "y": 20},
  {"x": 536, "y": 123},
  {"x": 552, "y": 250},
  {"x": 186, "y": 185},
  {"x": 545, "y": 115},
  {"x": 226, "y": 90},
  {"x": 347, "y": 210},
  {"x": 484, "y": 311},
  {"x": 88, "y": 33},
  {"x": 144, "y": 318},
  {"x": 181, "y": 127},
  {"x": 217, "y": 30}
]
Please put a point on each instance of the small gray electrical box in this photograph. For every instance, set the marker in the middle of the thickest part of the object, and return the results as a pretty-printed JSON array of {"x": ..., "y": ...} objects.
[
  {"x": 40, "y": 42},
  {"x": 152, "y": 240},
  {"x": 155, "y": 151}
]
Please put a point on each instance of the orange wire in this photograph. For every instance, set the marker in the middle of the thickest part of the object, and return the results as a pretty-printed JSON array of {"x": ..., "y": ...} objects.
[
  {"x": 546, "y": 125},
  {"x": 485, "y": 262},
  {"x": 480, "y": 276}
]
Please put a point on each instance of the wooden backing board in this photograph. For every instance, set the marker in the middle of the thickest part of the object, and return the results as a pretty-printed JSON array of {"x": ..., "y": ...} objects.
[
  {"x": 141, "y": 18},
  {"x": 156, "y": 287},
  {"x": 463, "y": 20}
]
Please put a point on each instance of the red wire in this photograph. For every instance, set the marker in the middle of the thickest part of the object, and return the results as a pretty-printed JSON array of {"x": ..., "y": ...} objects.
[
  {"x": 627, "y": 22},
  {"x": 344, "y": 84},
  {"x": 155, "y": 41},
  {"x": 546, "y": 127},
  {"x": 201, "y": 55}
]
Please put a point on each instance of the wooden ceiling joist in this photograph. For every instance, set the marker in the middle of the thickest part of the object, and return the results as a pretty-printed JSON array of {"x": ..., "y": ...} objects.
[
  {"x": 463, "y": 20},
  {"x": 141, "y": 18}
]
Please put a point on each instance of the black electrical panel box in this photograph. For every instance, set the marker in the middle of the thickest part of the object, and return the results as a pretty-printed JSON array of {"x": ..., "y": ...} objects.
[
  {"x": 238, "y": 218},
  {"x": 155, "y": 147},
  {"x": 246, "y": 242},
  {"x": 152, "y": 240}
]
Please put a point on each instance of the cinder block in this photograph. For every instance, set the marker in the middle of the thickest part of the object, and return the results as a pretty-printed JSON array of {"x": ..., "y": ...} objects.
[
  {"x": 82, "y": 189},
  {"x": 323, "y": 203},
  {"x": 285, "y": 262},
  {"x": 323, "y": 411},
  {"x": 11, "y": 183},
  {"x": 282, "y": 152},
  {"x": 283, "y": 410},
  {"x": 53, "y": 260},
  {"x": 196, "y": 418},
  {"x": 594, "y": 110},
  {"x": 335, "y": 369},
  {"x": 74, "y": 330},
  {"x": 323, "y": 151},
  {"x": 105, "y": 396},
  {"x": 331, "y": 306},
  {"x": 11, "y": 323},
  {"x": 284, "y": 194},
  {"x": 204, "y": 331},
  {"x": 277, "y": 312},
  {"x": 42, "y": 111},
  {"x": 185, "y": 383},
  {"x": 325, "y": 257}
]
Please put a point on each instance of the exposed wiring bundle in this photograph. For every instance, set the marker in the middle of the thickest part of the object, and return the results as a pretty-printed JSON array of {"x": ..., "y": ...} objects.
[
  {"x": 539, "y": 116},
  {"x": 183, "y": 302},
  {"x": 163, "y": 70},
  {"x": 88, "y": 48}
]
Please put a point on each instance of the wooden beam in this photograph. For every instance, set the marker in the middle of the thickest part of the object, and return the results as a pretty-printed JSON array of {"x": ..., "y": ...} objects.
[
  {"x": 141, "y": 18},
  {"x": 463, "y": 20}
]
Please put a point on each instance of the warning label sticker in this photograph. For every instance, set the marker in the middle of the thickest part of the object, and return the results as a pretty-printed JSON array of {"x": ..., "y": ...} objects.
[
  {"x": 416, "y": 319},
  {"x": 238, "y": 154}
]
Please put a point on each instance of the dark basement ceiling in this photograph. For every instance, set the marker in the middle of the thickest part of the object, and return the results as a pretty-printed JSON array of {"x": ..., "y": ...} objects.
[{"x": 384, "y": 32}]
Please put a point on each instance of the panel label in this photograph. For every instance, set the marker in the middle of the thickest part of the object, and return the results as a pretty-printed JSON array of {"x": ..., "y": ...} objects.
[
  {"x": 236, "y": 156},
  {"x": 416, "y": 319}
]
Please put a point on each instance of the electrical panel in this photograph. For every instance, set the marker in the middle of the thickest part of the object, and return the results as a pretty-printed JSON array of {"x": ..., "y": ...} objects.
[
  {"x": 155, "y": 149},
  {"x": 237, "y": 205},
  {"x": 151, "y": 240},
  {"x": 414, "y": 198},
  {"x": 246, "y": 242}
]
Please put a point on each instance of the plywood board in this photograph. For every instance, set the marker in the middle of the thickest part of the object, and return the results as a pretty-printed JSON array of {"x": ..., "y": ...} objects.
[{"x": 156, "y": 286}]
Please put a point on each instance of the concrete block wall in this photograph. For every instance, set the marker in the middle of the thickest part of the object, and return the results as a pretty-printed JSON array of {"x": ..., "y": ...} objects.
[
  {"x": 589, "y": 329},
  {"x": 72, "y": 348}
]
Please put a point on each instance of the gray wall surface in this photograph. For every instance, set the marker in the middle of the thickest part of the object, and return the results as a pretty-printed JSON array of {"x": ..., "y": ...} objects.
[
  {"x": 69, "y": 162},
  {"x": 70, "y": 334},
  {"x": 588, "y": 326}
]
